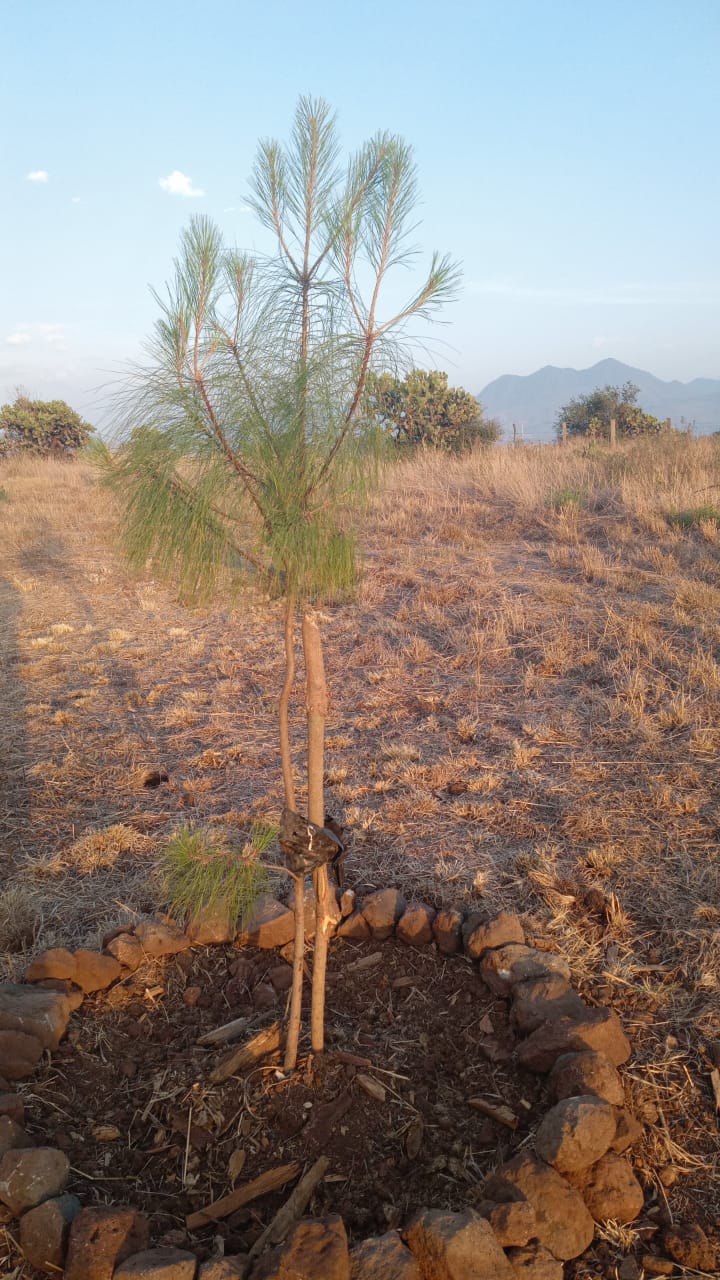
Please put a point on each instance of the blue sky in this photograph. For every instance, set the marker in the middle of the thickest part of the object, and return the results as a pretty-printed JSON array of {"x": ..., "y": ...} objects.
[{"x": 567, "y": 155}]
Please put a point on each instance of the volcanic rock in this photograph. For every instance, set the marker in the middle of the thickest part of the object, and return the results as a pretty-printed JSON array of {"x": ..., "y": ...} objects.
[
  {"x": 611, "y": 1190},
  {"x": 480, "y": 936},
  {"x": 598, "y": 1029},
  {"x": 535, "y": 1263},
  {"x": 95, "y": 972},
  {"x": 456, "y": 1246},
  {"x": 502, "y": 968},
  {"x": 356, "y": 927},
  {"x": 164, "y": 1263},
  {"x": 564, "y": 1225},
  {"x": 382, "y": 910},
  {"x": 316, "y": 1249},
  {"x": 590, "y": 1072},
  {"x": 688, "y": 1245},
  {"x": 101, "y": 1238},
  {"x": 447, "y": 931},
  {"x": 270, "y": 924},
  {"x": 27, "y": 1177},
  {"x": 543, "y": 999},
  {"x": 160, "y": 939},
  {"x": 55, "y": 963},
  {"x": 415, "y": 924},
  {"x": 35, "y": 1011},
  {"x": 383, "y": 1258},
  {"x": 12, "y": 1136},
  {"x": 629, "y": 1131},
  {"x": 44, "y": 1232},
  {"x": 576, "y": 1133},
  {"x": 19, "y": 1054},
  {"x": 127, "y": 950}
]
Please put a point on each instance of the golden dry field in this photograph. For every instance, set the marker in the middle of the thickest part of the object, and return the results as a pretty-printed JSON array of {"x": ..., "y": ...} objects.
[{"x": 525, "y": 714}]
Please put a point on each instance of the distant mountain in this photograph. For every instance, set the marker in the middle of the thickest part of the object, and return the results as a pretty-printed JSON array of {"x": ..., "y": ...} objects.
[{"x": 533, "y": 401}]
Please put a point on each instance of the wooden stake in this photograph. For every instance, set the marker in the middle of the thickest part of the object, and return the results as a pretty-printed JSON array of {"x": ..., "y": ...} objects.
[
  {"x": 293, "y": 1208},
  {"x": 271, "y": 1180},
  {"x": 612, "y": 433},
  {"x": 293, "y": 1032},
  {"x": 264, "y": 1042},
  {"x": 316, "y": 704}
]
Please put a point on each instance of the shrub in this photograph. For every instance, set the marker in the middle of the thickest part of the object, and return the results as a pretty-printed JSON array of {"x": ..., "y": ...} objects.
[{"x": 46, "y": 427}]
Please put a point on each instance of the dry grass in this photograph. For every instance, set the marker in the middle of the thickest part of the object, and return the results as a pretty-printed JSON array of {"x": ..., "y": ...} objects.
[{"x": 531, "y": 626}]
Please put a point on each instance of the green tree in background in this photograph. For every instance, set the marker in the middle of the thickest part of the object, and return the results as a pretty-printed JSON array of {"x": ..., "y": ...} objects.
[
  {"x": 590, "y": 415},
  {"x": 250, "y": 453},
  {"x": 45, "y": 427},
  {"x": 421, "y": 409}
]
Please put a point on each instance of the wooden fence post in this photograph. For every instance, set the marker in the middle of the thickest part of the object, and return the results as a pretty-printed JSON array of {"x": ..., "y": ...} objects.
[
  {"x": 612, "y": 433},
  {"x": 514, "y": 435},
  {"x": 564, "y": 432}
]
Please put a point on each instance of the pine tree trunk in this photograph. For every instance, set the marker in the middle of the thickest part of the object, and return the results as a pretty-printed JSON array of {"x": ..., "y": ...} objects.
[
  {"x": 316, "y": 704},
  {"x": 293, "y": 1031}
]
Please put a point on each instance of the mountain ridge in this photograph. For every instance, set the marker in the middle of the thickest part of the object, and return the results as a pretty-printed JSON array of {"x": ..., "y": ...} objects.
[{"x": 534, "y": 400}]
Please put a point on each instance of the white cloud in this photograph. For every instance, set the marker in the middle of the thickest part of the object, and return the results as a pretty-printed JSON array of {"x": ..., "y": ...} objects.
[
  {"x": 237, "y": 208},
  {"x": 179, "y": 184},
  {"x": 37, "y": 175},
  {"x": 76, "y": 200},
  {"x": 51, "y": 335}
]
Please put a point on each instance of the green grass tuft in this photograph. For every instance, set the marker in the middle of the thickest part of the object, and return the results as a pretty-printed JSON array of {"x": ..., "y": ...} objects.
[
  {"x": 569, "y": 496},
  {"x": 695, "y": 515},
  {"x": 204, "y": 870}
]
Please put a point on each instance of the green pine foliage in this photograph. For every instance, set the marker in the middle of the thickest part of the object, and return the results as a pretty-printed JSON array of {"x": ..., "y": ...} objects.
[
  {"x": 243, "y": 441},
  {"x": 203, "y": 870}
]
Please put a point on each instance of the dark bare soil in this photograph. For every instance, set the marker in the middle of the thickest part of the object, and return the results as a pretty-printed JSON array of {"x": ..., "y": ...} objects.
[{"x": 428, "y": 1031}]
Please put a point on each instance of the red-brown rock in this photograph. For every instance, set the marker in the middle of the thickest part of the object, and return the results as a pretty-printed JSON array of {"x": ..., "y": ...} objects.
[
  {"x": 590, "y": 1072},
  {"x": 95, "y": 972},
  {"x": 382, "y": 910},
  {"x": 502, "y": 968},
  {"x": 564, "y": 1225},
  {"x": 355, "y": 927},
  {"x": 347, "y": 902},
  {"x": 160, "y": 939},
  {"x": 543, "y": 999},
  {"x": 127, "y": 950},
  {"x": 447, "y": 931},
  {"x": 316, "y": 1249},
  {"x": 34, "y": 1010},
  {"x": 513, "y": 1223},
  {"x": 271, "y": 924},
  {"x": 481, "y": 936},
  {"x": 628, "y": 1131},
  {"x": 55, "y": 963},
  {"x": 101, "y": 1238},
  {"x": 11, "y": 1104},
  {"x": 19, "y": 1054},
  {"x": 383, "y": 1258},
  {"x": 576, "y": 1133},
  {"x": 281, "y": 977},
  {"x": 415, "y": 924},
  {"x": 533, "y": 1262},
  {"x": 456, "y": 1246},
  {"x": 598, "y": 1029},
  {"x": 12, "y": 1136},
  {"x": 73, "y": 994},
  {"x": 688, "y": 1245},
  {"x": 27, "y": 1177},
  {"x": 232, "y": 1267},
  {"x": 210, "y": 925},
  {"x": 44, "y": 1233},
  {"x": 611, "y": 1190},
  {"x": 163, "y": 1263}
]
